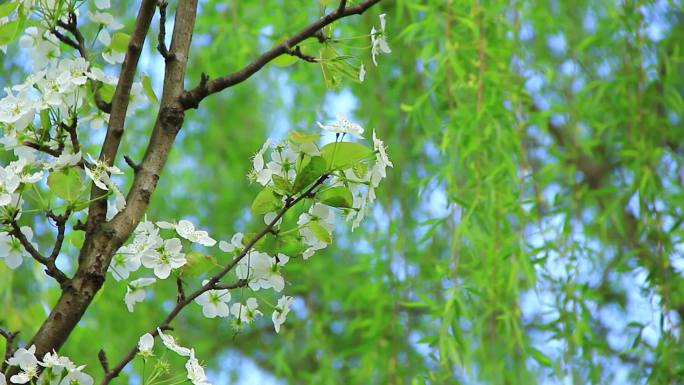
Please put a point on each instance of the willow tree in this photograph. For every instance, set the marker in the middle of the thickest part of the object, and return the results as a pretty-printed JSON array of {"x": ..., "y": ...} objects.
[{"x": 529, "y": 232}]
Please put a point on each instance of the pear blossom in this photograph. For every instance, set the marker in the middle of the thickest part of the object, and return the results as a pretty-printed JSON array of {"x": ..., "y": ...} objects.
[
  {"x": 262, "y": 270},
  {"x": 362, "y": 73},
  {"x": 164, "y": 258},
  {"x": 283, "y": 163},
  {"x": 280, "y": 312},
  {"x": 17, "y": 110},
  {"x": 41, "y": 46},
  {"x": 378, "y": 171},
  {"x": 323, "y": 215},
  {"x": 9, "y": 182},
  {"x": 99, "y": 173},
  {"x": 379, "y": 40},
  {"x": 26, "y": 360},
  {"x": 124, "y": 262},
  {"x": 186, "y": 229},
  {"x": 65, "y": 159},
  {"x": 56, "y": 362},
  {"x": 259, "y": 173},
  {"x": 146, "y": 344},
  {"x": 246, "y": 313},
  {"x": 214, "y": 302},
  {"x": 77, "y": 377},
  {"x": 196, "y": 373},
  {"x": 11, "y": 248},
  {"x": 172, "y": 345},
  {"x": 343, "y": 126},
  {"x": 3, "y": 380},
  {"x": 135, "y": 292},
  {"x": 235, "y": 243}
]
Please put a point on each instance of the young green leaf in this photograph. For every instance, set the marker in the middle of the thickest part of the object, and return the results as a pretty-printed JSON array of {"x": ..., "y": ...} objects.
[
  {"x": 65, "y": 183},
  {"x": 309, "y": 174},
  {"x": 320, "y": 232},
  {"x": 337, "y": 197},
  {"x": 147, "y": 87},
  {"x": 299, "y": 137},
  {"x": 266, "y": 201},
  {"x": 120, "y": 41},
  {"x": 8, "y": 32},
  {"x": 343, "y": 155},
  {"x": 7, "y": 8}
]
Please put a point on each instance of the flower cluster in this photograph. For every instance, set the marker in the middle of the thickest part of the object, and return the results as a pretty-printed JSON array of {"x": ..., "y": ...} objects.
[
  {"x": 56, "y": 369},
  {"x": 39, "y": 117}
]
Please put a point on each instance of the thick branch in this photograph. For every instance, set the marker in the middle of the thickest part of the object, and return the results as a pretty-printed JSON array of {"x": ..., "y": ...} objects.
[
  {"x": 213, "y": 283},
  {"x": 192, "y": 98},
  {"x": 120, "y": 102}
]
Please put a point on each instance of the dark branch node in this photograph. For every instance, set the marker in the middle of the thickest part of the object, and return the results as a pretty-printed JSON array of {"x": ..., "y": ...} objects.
[{"x": 132, "y": 164}]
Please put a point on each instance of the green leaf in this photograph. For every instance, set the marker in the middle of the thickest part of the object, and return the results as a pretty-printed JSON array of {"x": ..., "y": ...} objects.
[
  {"x": 337, "y": 197},
  {"x": 281, "y": 184},
  {"x": 540, "y": 357},
  {"x": 284, "y": 60},
  {"x": 107, "y": 91},
  {"x": 45, "y": 120},
  {"x": 8, "y": 8},
  {"x": 360, "y": 169},
  {"x": 345, "y": 154},
  {"x": 65, "y": 183},
  {"x": 309, "y": 174},
  {"x": 120, "y": 41},
  {"x": 299, "y": 137},
  {"x": 266, "y": 201},
  {"x": 8, "y": 32},
  {"x": 147, "y": 87},
  {"x": 326, "y": 3},
  {"x": 327, "y": 55},
  {"x": 197, "y": 264},
  {"x": 320, "y": 232}
]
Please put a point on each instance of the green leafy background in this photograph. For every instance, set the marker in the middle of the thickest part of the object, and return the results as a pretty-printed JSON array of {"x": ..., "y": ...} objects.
[{"x": 530, "y": 231}]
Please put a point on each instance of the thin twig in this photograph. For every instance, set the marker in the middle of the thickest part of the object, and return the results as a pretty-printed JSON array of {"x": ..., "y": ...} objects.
[
  {"x": 9, "y": 346},
  {"x": 191, "y": 99},
  {"x": 49, "y": 263},
  {"x": 298, "y": 53},
  {"x": 102, "y": 356},
  {"x": 132, "y": 164},
  {"x": 161, "y": 38}
]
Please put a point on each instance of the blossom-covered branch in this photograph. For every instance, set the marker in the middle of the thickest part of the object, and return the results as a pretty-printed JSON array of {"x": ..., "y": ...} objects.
[
  {"x": 192, "y": 98},
  {"x": 214, "y": 282}
]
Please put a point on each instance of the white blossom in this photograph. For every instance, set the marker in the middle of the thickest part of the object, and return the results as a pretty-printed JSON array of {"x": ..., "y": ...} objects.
[
  {"x": 379, "y": 40},
  {"x": 172, "y": 345},
  {"x": 214, "y": 302},
  {"x": 378, "y": 171},
  {"x": 146, "y": 344},
  {"x": 246, "y": 313},
  {"x": 196, "y": 373},
  {"x": 280, "y": 312},
  {"x": 135, "y": 292},
  {"x": 9, "y": 182},
  {"x": 77, "y": 377},
  {"x": 12, "y": 250},
  {"x": 362, "y": 73},
  {"x": 343, "y": 126},
  {"x": 26, "y": 360},
  {"x": 164, "y": 258},
  {"x": 235, "y": 243},
  {"x": 186, "y": 229},
  {"x": 56, "y": 362},
  {"x": 259, "y": 173}
]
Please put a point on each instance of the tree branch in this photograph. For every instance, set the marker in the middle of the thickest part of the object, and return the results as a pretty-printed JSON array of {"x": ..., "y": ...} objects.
[
  {"x": 9, "y": 343},
  {"x": 49, "y": 263},
  {"x": 120, "y": 101},
  {"x": 213, "y": 283},
  {"x": 192, "y": 98},
  {"x": 161, "y": 38}
]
